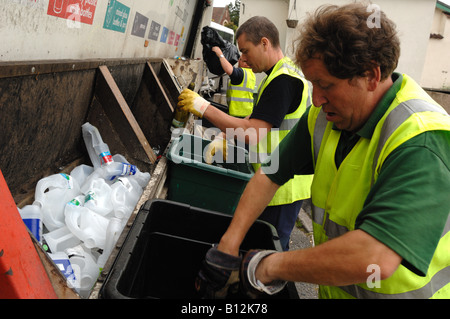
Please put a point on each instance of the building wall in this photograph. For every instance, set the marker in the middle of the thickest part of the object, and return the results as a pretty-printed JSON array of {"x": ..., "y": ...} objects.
[
  {"x": 413, "y": 19},
  {"x": 89, "y": 29},
  {"x": 436, "y": 73}
]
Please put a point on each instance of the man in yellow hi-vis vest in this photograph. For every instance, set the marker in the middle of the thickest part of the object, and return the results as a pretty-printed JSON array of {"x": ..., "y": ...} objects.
[
  {"x": 379, "y": 148},
  {"x": 282, "y": 99},
  {"x": 241, "y": 86}
]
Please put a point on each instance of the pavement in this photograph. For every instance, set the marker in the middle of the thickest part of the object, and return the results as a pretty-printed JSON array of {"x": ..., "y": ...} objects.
[{"x": 301, "y": 238}]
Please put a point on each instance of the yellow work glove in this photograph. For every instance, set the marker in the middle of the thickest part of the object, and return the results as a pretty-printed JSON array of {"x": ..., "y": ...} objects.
[
  {"x": 219, "y": 144},
  {"x": 192, "y": 102}
]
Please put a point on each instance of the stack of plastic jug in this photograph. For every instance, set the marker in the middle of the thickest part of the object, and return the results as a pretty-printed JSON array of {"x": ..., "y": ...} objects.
[{"x": 80, "y": 216}]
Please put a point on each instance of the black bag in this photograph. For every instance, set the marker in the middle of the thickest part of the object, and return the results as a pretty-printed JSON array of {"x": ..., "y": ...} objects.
[{"x": 209, "y": 39}]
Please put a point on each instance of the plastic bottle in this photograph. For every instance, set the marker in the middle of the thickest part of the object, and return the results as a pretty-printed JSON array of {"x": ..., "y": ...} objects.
[
  {"x": 112, "y": 235},
  {"x": 87, "y": 225},
  {"x": 51, "y": 194},
  {"x": 141, "y": 177},
  {"x": 125, "y": 193},
  {"x": 62, "y": 261},
  {"x": 32, "y": 217},
  {"x": 116, "y": 169},
  {"x": 98, "y": 150},
  {"x": 81, "y": 173},
  {"x": 60, "y": 239},
  {"x": 98, "y": 197},
  {"x": 85, "y": 268}
]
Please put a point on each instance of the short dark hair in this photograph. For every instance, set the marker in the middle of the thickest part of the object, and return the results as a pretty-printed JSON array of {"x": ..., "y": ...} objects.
[
  {"x": 348, "y": 44},
  {"x": 258, "y": 27}
]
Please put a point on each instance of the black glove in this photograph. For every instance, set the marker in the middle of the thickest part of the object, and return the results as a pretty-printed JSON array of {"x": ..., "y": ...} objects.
[
  {"x": 219, "y": 275},
  {"x": 252, "y": 287}
]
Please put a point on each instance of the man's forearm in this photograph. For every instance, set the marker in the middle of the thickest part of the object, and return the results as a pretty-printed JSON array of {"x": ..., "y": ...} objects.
[
  {"x": 258, "y": 193},
  {"x": 338, "y": 262}
]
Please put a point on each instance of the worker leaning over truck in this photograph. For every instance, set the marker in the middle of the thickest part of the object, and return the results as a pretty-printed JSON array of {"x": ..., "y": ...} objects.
[
  {"x": 378, "y": 146},
  {"x": 282, "y": 98},
  {"x": 240, "y": 87}
]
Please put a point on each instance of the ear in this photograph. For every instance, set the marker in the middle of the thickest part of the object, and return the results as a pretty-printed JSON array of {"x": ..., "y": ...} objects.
[
  {"x": 265, "y": 42},
  {"x": 373, "y": 77}
]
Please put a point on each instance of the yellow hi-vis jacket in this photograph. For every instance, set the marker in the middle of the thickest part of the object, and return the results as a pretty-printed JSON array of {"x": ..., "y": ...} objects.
[
  {"x": 299, "y": 187},
  {"x": 240, "y": 96},
  {"x": 338, "y": 196}
]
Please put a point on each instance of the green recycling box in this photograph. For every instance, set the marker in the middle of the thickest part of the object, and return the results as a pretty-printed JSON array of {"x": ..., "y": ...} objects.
[{"x": 216, "y": 186}]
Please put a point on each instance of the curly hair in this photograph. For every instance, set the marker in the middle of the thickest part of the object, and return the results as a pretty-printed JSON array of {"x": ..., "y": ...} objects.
[{"x": 348, "y": 44}]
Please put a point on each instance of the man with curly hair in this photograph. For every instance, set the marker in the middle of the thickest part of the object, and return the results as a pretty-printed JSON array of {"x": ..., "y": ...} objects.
[{"x": 378, "y": 146}]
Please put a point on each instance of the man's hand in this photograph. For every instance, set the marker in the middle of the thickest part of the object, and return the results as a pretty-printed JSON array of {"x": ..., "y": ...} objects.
[
  {"x": 251, "y": 286},
  {"x": 217, "y": 51},
  {"x": 219, "y": 144},
  {"x": 219, "y": 275},
  {"x": 192, "y": 102}
]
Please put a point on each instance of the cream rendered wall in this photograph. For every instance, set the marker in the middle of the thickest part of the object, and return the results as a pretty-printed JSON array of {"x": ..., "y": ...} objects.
[
  {"x": 413, "y": 19},
  {"x": 28, "y": 32},
  {"x": 436, "y": 73},
  {"x": 275, "y": 10}
]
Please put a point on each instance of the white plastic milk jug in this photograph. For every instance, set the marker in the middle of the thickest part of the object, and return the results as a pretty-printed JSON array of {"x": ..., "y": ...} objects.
[
  {"x": 125, "y": 193},
  {"x": 51, "y": 194},
  {"x": 98, "y": 150},
  {"x": 87, "y": 225}
]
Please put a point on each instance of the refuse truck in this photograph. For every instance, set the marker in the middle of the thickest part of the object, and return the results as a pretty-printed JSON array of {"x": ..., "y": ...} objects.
[{"x": 118, "y": 66}]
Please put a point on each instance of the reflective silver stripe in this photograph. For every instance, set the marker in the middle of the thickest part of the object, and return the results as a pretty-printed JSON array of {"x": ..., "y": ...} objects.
[
  {"x": 317, "y": 214},
  {"x": 242, "y": 89},
  {"x": 292, "y": 68},
  {"x": 332, "y": 229},
  {"x": 288, "y": 124},
  {"x": 319, "y": 131},
  {"x": 438, "y": 281},
  {"x": 397, "y": 116},
  {"x": 240, "y": 99},
  {"x": 245, "y": 79},
  {"x": 446, "y": 227}
]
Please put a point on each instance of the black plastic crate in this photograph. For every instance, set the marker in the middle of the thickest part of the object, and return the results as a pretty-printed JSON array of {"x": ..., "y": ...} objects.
[{"x": 164, "y": 249}]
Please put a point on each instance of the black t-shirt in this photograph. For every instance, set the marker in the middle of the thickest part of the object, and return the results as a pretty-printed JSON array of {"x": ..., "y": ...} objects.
[
  {"x": 282, "y": 96},
  {"x": 237, "y": 76}
]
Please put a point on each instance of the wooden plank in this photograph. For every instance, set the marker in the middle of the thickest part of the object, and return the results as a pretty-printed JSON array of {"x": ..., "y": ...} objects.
[
  {"x": 121, "y": 116},
  {"x": 152, "y": 102},
  {"x": 36, "y": 68},
  {"x": 151, "y": 77}
]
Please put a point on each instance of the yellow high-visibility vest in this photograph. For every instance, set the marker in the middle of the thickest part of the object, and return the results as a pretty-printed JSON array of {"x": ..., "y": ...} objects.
[
  {"x": 299, "y": 187},
  {"x": 240, "y": 96},
  {"x": 338, "y": 195}
]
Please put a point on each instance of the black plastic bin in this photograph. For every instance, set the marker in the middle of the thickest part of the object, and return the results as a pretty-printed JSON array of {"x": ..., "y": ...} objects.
[{"x": 164, "y": 248}]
